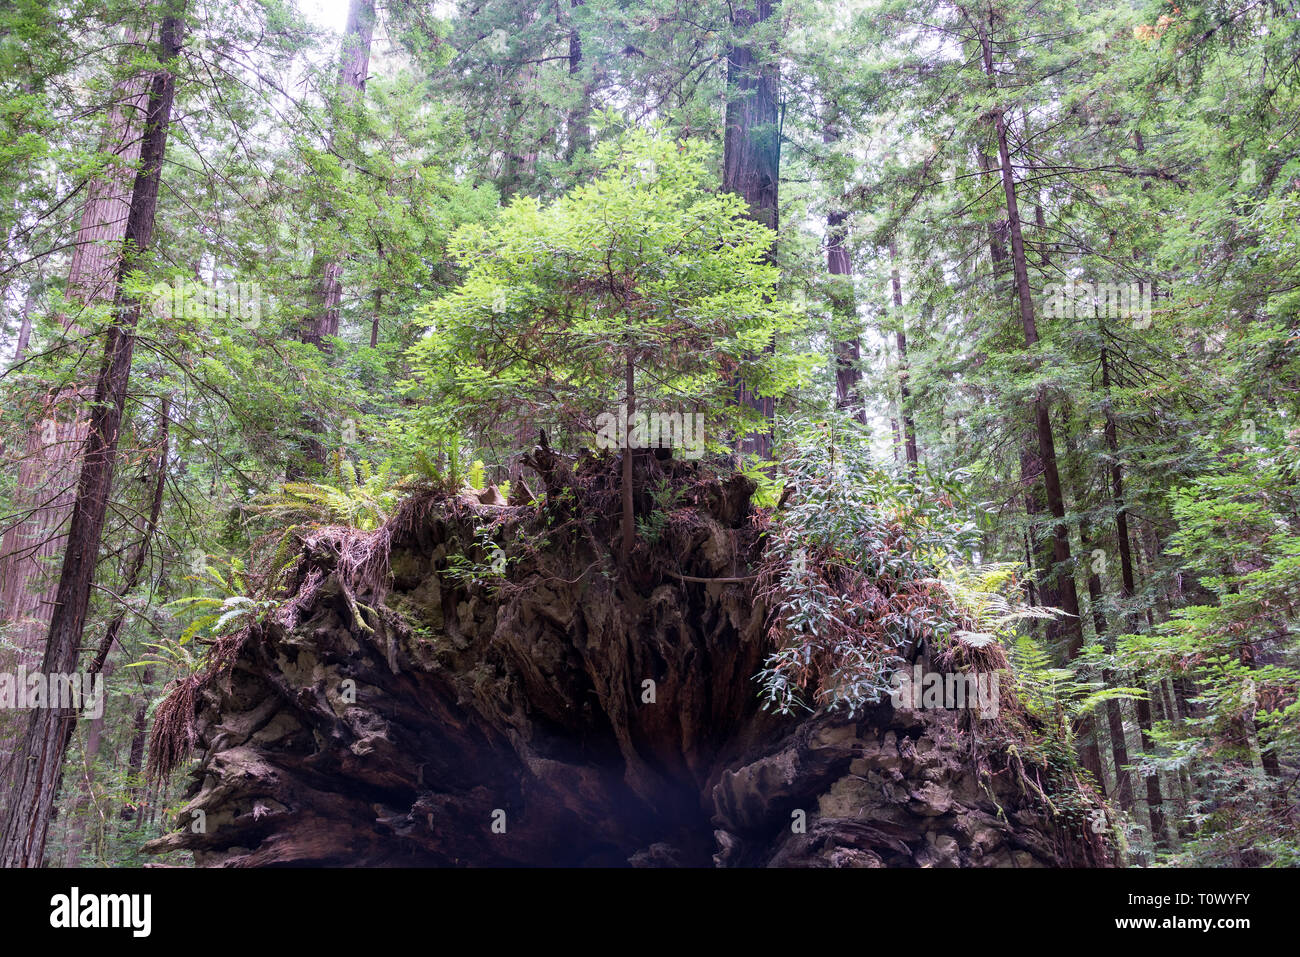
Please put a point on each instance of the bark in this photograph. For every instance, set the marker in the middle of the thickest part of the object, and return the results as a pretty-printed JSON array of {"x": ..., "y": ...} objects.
[
  {"x": 20, "y": 350},
  {"x": 24, "y": 329},
  {"x": 319, "y": 328},
  {"x": 848, "y": 348},
  {"x": 1031, "y": 589},
  {"x": 1090, "y": 752},
  {"x": 47, "y": 477},
  {"x": 521, "y": 142},
  {"x": 1153, "y": 547},
  {"x": 84, "y": 802},
  {"x": 1177, "y": 782},
  {"x": 36, "y": 778},
  {"x": 132, "y": 808},
  {"x": 132, "y": 577},
  {"x": 1095, "y": 596},
  {"x": 1155, "y": 803},
  {"x": 1044, "y": 591},
  {"x": 1117, "y": 485},
  {"x": 997, "y": 247},
  {"x": 577, "y": 135},
  {"x": 1266, "y": 755},
  {"x": 1123, "y": 790},
  {"x": 1119, "y": 747},
  {"x": 629, "y": 528},
  {"x": 751, "y": 156},
  {"x": 102, "y": 662},
  {"x": 844, "y": 310},
  {"x": 1091, "y": 748},
  {"x": 904, "y": 391},
  {"x": 354, "y": 69}
]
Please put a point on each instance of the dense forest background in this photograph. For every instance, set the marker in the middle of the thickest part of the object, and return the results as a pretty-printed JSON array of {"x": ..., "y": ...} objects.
[{"x": 1037, "y": 264}]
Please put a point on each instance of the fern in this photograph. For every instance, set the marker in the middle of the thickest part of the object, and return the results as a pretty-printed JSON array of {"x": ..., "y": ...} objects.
[
  {"x": 989, "y": 596},
  {"x": 229, "y": 611},
  {"x": 1059, "y": 695},
  {"x": 476, "y": 479},
  {"x": 362, "y": 502}
]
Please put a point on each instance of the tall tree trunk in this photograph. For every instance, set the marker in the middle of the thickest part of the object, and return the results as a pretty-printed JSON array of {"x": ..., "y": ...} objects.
[
  {"x": 133, "y": 807},
  {"x": 20, "y": 350},
  {"x": 1089, "y": 733},
  {"x": 82, "y": 802},
  {"x": 1090, "y": 749},
  {"x": 751, "y": 155},
  {"x": 47, "y": 478},
  {"x": 353, "y": 70},
  {"x": 1045, "y": 590},
  {"x": 904, "y": 391},
  {"x": 1123, "y": 790},
  {"x": 844, "y": 314},
  {"x": 132, "y": 577},
  {"x": 27, "y": 819},
  {"x": 1155, "y": 803},
  {"x": 1267, "y": 755},
  {"x": 24, "y": 328},
  {"x": 102, "y": 662},
  {"x": 1111, "y": 434},
  {"x": 997, "y": 247},
  {"x": 577, "y": 137},
  {"x": 318, "y": 328},
  {"x": 1070, "y": 629},
  {"x": 1119, "y": 746},
  {"x": 846, "y": 332},
  {"x": 1128, "y": 587}
]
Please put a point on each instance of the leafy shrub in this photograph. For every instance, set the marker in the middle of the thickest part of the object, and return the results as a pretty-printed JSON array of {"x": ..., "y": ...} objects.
[{"x": 861, "y": 566}]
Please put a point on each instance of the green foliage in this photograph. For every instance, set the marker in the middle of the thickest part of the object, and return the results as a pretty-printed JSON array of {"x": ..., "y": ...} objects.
[
  {"x": 1239, "y": 532},
  {"x": 862, "y": 566},
  {"x": 475, "y": 479},
  {"x": 666, "y": 498},
  {"x": 361, "y": 497},
  {"x": 231, "y": 609},
  {"x": 1151, "y": 144},
  {"x": 1058, "y": 697},
  {"x": 645, "y": 265},
  {"x": 466, "y": 569}
]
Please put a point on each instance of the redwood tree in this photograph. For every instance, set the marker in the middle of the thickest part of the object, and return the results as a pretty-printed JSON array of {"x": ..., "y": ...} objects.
[
  {"x": 36, "y": 778},
  {"x": 47, "y": 477},
  {"x": 323, "y": 324},
  {"x": 751, "y": 159}
]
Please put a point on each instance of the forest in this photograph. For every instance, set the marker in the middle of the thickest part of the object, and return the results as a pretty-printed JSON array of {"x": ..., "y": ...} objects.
[{"x": 644, "y": 432}]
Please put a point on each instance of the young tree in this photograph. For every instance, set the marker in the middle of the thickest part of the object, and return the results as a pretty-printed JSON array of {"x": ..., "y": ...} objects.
[{"x": 641, "y": 288}]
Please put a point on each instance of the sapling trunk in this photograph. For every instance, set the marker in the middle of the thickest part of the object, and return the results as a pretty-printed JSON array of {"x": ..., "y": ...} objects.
[{"x": 628, "y": 528}]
